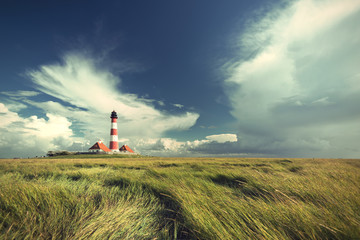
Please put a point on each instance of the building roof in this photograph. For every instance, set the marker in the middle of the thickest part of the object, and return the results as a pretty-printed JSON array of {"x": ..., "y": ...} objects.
[
  {"x": 99, "y": 145},
  {"x": 126, "y": 148}
]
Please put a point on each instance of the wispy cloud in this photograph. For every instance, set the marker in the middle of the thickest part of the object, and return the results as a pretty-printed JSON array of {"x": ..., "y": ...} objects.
[
  {"x": 298, "y": 93},
  {"x": 20, "y": 94},
  {"x": 84, "y": 85},
  {"x": 178, "y": 105}
]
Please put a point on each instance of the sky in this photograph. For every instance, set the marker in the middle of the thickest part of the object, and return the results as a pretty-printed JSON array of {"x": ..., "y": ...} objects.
[{"x": 251, "y": 78}]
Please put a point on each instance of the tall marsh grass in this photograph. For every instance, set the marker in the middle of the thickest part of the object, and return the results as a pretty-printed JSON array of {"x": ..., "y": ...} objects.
[{"x": 188, "y": 198}]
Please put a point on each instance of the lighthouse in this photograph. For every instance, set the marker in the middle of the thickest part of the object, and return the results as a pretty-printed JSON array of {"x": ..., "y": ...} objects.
[{"x": 114, "y": 145}]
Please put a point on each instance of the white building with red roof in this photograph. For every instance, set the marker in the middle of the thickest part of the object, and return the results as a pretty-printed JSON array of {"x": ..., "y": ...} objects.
[
  {"x": 126, "y": 148},
  {"x": 99, "y": 147}
]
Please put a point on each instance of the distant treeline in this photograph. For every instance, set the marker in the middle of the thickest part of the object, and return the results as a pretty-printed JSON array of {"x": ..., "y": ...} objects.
[{"x": 59, "y": 153}]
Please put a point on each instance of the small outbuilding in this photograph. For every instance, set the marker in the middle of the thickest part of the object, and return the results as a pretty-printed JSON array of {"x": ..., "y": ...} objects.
[
  {"x": 126, "y": 148},
  {"x": 99, "y": 147}
]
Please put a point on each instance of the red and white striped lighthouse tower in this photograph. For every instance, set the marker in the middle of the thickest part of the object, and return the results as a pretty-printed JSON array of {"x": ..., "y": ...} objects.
[{"x": 114, "y": 145}]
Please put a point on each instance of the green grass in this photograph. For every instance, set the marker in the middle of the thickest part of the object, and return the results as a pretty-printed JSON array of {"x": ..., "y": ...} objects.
[{"x": 188, "y": 198}]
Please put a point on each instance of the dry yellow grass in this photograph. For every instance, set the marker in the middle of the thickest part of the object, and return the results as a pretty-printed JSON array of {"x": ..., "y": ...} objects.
[{"x": 185, "y": 198}]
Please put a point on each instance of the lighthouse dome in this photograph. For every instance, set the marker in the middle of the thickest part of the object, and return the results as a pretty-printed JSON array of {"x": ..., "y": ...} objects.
[{"x": 113, "y": 114}]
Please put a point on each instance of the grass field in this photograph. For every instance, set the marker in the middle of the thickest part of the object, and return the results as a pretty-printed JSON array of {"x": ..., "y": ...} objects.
[{"x": 185, "y": 198}]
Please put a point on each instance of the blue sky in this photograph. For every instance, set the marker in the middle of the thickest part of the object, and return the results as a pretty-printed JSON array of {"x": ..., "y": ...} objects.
[{"x": 187, "y": 78}]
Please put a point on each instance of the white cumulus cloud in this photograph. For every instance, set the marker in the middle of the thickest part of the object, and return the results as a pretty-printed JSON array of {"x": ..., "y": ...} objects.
[
  {"x": 30, "y": 136},
  {"x": 221, "y": 144},
  {"x": 221, "y": 138}
]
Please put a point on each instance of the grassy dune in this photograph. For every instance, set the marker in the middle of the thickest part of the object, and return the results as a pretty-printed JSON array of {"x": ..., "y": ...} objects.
[{"x": 169, "y": 198}]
